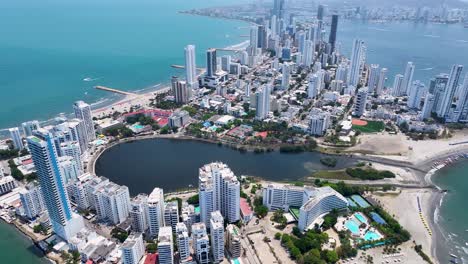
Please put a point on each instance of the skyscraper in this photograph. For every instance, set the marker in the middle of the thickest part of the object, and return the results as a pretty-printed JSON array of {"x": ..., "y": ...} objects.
[
  {"x": 165, "y": 246},
  {"x": 361, "y": 101},
  {"x": 201, "y": 243},
  {"x": 313, "y": 87},
  {"x": 309, "y": 52},
  {"x": 112, "y": 202},
  {"x": 320, "y": 12},
  {"x": 139, "y": 213},
  {"x": 428, "y": 106},
  {"x": 462, "y": 104},
  {"x": 398, "y": 85},
  {"x": 357, "y": 62},
  {"x": 171, "y": 215},
  {"x": 183, "y": 240},
  {"x": 408, "y": 78},
  {"x": 416, "y": 93},
  {"x": 133, "y": 249},
  {"x": 278, "y": 8},
  {"x": 333, "y": 30},
  {"x": 181, "y": 91},
  {"x": 447, "y": 98},
  {"x": 155, "y": 211},
  {"x": 286, "y": 71},
  {"x": 31, "y": 200},
  {"x": 373, "y": 79},
  {"x": 262, "y": 37},
  {"x": 64, "y": 222},
  {"x": 211, "y": 63},
  {"x": 262, "y": 97},
  {"x": 219, "y": 190},
  {"x": 217, "y": 236},
  {"x": 83, "y": 112},
  {"x": 381, "y": 82},
  {"x": 29, "y": 127},
  {"x": 191, "y": 67},
  {"x": 16, "y": 138}
]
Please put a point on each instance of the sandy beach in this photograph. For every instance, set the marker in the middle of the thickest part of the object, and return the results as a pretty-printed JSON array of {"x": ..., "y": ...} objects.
[{"x": 143, "y": 100}]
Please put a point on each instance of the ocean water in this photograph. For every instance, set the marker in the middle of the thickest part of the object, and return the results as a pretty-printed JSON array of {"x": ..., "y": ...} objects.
[
  {"x": 48, "y": 47},
  {"x": 453, "y": 214}
]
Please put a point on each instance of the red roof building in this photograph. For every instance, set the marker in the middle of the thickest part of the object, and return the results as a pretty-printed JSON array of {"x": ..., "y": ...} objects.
[
  {"x": 246, "y": 210},
  {"x": 151, "y": 258}
]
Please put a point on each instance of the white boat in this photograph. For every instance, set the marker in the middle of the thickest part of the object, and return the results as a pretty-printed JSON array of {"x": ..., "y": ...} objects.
[
  {"x": 453, "y": 256},
  {"x": 87, "y": 79}
]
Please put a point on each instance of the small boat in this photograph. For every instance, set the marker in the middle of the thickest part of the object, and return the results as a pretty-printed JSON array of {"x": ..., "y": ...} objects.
[
  {"x": 454, "y": 261},
  {"x": 453, "y": 256},
  {"x": 87, "y": 79}
]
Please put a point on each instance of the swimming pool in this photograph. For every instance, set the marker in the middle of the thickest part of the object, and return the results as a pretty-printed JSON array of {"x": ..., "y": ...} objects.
[
  {"x": 371, "y": 236},
  {"x": 138, "y": 126},
  {"x": 361, "y": 218},
  {"x": 353, "y": 227},
  {"x": 236, "y": 261}
]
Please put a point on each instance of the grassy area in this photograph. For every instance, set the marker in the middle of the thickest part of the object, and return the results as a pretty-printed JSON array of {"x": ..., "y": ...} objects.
[
  {"x": 333, "y": 174},
  {"x": 371, "y": 127}
]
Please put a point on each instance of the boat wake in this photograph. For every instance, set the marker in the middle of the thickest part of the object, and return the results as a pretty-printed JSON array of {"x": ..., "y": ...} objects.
[
  {"x": 379, "y": 29},
  {"x": 432, "y": 36},
  {"x": 462, "y": 40},
  {"x": 89, "y": 79},
  {"x": 427, "y": 69}
]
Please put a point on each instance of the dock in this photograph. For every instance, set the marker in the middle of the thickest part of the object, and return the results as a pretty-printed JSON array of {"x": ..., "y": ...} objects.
[
  {"x": 183, "y": 67},
  {"x": 112, "y": 90}
]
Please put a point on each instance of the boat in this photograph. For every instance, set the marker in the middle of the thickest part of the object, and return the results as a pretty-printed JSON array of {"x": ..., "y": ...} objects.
[
  {"x": 87, "y": 79},
  {"x": 454, "y": 261},
  {"x": 453, "y": 256}
]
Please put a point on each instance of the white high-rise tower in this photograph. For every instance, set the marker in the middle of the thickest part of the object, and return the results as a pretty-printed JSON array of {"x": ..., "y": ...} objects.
[
  {"x": 64, "y": 222},
  {"x": 83, "y": 112},
  {"x": 191, "y": 67},
  {"x": 357, "y": 62},
  {"x": 408, "y": 78}
]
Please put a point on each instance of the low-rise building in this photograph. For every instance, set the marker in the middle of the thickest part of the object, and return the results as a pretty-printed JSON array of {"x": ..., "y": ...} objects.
[
  {"x": 233, "y": 241},
  {"x": 7, "y": 184}
]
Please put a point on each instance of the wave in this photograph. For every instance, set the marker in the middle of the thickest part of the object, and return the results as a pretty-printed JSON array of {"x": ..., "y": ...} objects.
[
  {"x": 431, "y": 36},
  {"x": 462, "y": 40},
  {"x": 241, "y": 45},
  {"x": 100, "y": 101},
  {"x": 379, "y": 29}
]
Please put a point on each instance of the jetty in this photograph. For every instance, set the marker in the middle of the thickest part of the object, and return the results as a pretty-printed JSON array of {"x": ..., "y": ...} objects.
[{"x": 112, "y": 90}]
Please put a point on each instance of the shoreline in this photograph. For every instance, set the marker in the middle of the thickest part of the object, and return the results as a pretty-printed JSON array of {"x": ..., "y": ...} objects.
[
  {"x": 437, "y": 200},
  {"x": 25, "y": 235},
  {"x": 431, "y": 206}
]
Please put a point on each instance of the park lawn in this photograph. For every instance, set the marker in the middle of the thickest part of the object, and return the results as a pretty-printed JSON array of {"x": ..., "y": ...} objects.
[
  {"x": 333, "y": 175},
  {"x": 371, "y": 127}
]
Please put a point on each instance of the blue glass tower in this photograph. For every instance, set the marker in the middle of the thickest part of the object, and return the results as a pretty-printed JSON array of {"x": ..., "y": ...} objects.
[{"x": 64, "y": 222}]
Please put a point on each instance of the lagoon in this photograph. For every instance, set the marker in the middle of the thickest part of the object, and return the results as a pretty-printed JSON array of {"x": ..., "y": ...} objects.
[{"x": 173, "y": 164}]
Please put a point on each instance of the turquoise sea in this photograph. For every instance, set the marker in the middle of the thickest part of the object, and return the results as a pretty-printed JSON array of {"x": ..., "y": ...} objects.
[
  {"x": 452, "y": 215},
  {"x": 48, "y": 47}
]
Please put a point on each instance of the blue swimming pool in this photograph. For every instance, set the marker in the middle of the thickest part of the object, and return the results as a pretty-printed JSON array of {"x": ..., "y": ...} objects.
[
  {"x": 138, "y": 126},
  {"x": 371, "y": 236},
  {"x": 361, "y": 218},
  {"x": 236, "y": 261},
  {"x": 352, "y": 226}
]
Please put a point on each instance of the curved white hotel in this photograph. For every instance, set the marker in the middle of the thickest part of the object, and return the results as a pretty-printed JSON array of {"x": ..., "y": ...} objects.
[{"x": 324, "y": 201}]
